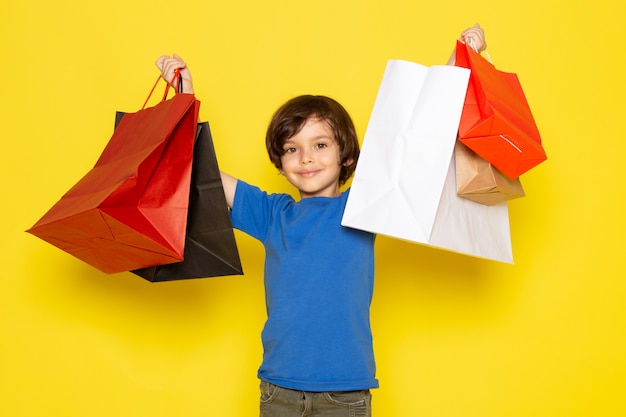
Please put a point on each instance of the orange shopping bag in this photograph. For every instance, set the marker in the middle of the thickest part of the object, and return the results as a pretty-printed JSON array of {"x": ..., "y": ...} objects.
[
  {"x": 130, "y": 210},
  {"x": 497, "y": 122}
]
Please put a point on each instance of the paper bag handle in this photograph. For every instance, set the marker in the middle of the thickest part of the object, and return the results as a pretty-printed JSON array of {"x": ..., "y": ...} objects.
[
  {"x": 179, "y": 87},
  {"x": 470, "y": 41}
]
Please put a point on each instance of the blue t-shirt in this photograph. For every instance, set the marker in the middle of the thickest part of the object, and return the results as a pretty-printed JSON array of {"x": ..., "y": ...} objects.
[{"x": 319, "y": 279}]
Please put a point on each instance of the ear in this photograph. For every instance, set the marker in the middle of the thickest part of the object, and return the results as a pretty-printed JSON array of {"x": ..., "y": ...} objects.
[{"x": 348, "y": 162}]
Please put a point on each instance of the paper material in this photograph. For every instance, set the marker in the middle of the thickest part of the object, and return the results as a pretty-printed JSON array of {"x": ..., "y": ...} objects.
[
  {"x": 471, "y": 228},
  {"x": 478, "y": 180},
  {"x": 400, "y": 187},
  {"x": 497, "y": 122},
  {"x": 210, "y": 245},
  {"x": 130, "y": 210}
]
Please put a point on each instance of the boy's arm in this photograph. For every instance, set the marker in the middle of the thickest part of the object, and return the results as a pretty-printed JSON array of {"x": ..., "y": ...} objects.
[
  {"x": 477, "y": 35},
  {"x": 167, "y": 65},
  {"x": 229, "y": 183}
]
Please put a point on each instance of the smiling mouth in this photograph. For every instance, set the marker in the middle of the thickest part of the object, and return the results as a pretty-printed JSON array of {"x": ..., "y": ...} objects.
[{"x": 308, "y": 173}]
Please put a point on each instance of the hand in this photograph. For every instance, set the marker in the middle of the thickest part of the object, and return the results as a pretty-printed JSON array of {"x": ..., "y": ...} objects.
[
  {"x": 168, "y": 65},
  {"x": 477, "y": 35}
]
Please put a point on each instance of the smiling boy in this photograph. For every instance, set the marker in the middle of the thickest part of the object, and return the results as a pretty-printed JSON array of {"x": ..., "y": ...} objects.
[{"x": 318, "y": 357}]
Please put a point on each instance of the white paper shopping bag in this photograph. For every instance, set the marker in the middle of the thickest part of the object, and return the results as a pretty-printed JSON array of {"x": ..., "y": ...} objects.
[
  {"x": 468, "y": 227},
  {"x": 400, "y": 187}
]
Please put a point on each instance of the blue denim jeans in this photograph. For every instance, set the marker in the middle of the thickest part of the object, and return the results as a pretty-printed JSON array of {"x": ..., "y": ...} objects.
[{"x": 282, "y": 402}]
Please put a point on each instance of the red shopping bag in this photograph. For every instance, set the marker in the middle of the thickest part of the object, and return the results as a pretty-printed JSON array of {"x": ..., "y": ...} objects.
[
  {"x": 497, "y": 122},
  {"x": 210, "y": 245},
  {"x": 130, "y": 210}
]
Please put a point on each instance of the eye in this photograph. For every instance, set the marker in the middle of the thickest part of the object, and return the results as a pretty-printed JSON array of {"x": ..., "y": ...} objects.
[
  {"x": 289, "y": 149},
  {"x": 321, "y": 145}
]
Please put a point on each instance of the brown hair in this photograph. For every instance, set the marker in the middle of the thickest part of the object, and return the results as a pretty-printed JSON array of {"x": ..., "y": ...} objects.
[{"x": 291, "y": 117}]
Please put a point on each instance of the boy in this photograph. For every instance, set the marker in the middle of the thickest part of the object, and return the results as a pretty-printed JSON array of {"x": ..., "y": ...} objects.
[{"x": 318, "y": 358}]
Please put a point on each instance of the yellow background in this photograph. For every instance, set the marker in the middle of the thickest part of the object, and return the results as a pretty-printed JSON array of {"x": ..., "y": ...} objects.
[{"x": 454, "y": 335}]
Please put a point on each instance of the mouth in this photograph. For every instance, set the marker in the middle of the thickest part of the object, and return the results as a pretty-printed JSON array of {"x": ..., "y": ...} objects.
[{"x": 308, "y": 173}]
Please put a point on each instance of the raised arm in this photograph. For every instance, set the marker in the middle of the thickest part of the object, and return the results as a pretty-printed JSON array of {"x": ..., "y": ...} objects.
[
  {"x": 168, "y": 65},
  {"x": 476, "y": 34},
  {"x": 230, "y": 185}
]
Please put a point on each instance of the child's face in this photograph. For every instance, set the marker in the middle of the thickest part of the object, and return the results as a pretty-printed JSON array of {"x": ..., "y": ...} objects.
[{"x": 311, "y": 160}]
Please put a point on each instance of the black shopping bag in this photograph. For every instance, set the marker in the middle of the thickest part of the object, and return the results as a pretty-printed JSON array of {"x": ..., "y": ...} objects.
[{"x": 210, "y": 246}]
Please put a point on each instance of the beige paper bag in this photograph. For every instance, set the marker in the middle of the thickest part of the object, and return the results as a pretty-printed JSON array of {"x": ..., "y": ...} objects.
[{"x": 479, "y": 181}]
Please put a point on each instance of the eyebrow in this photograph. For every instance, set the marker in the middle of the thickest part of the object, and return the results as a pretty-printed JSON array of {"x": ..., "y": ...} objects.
[{"x": 313, "y": 138}]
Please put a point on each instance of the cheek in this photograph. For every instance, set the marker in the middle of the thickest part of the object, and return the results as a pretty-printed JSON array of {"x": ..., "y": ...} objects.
[
  {"x": 337, "y": 158},
  {"x": 288, "y": 160}
]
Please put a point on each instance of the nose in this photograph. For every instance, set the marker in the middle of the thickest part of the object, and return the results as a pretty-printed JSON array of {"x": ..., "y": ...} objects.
[{"x": 306, "y": 156}]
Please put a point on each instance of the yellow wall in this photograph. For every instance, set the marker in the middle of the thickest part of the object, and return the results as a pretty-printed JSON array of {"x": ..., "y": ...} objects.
[{"x": 454, "y": 335}]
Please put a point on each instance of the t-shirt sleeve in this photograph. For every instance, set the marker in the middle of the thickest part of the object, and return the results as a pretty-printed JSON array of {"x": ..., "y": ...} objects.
[{"x": 253, "y": 209}]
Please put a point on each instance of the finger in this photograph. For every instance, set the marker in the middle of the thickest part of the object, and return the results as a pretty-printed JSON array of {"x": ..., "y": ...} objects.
[
  {"x": 166, "y": 61},
  {"x": 170, "y": 66},
  {"x": 160, "y": 62},
  {"x": 477, "y": 35}
]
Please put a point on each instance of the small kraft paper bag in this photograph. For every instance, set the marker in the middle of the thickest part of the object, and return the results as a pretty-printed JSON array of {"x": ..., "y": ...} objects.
[
  {"x": 210, "y": 246},
  {"x": 404, "y": 183},
  {"x": 478, "y": 180},
  {"x": 497, "y": 122},
  {"x": 130, "y": 210}
]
